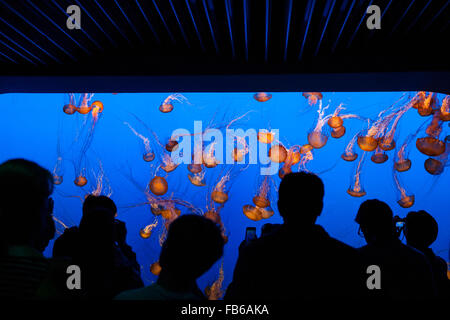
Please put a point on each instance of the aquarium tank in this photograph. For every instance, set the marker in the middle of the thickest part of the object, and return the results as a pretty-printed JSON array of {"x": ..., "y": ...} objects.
[{"x": 222, "y": 155}]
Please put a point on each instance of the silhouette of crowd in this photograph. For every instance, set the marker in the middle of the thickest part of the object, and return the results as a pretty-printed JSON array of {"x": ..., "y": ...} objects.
[{"x": 294, "y": 260}]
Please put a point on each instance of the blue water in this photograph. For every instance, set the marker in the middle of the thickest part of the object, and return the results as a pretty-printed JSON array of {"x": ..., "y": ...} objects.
[{"x": 32, "y": 124}]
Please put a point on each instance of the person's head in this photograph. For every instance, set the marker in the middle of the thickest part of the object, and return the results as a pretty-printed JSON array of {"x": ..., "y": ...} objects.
[
  {"x": 194, "y": 243},
  {"x": 300, "y": 198},
  {"x": 98, "y": 217},
  {"x": 375, "y": 219},
  {"x": 25, "y": 204},
  {"x": 421, "y": 229}
]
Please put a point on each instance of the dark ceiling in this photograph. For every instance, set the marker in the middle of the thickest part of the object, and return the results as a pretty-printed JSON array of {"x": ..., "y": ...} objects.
[{"x": 223, "y": 45}]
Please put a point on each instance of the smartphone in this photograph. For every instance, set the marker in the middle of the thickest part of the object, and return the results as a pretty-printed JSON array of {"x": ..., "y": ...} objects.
[{"x": 250, "y": 234}]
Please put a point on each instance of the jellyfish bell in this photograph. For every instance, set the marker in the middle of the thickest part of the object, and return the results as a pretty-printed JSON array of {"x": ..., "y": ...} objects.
[
  {"x": 57, "y": 180},
  {"x": 386, "y": 144},
  {"x": 219, "y": 196},
  {"x": 266, "y": 213},
  {"x": 171, "y": 145},
  {"x": 356, "y": 193},
  {"x": 166, "y": 107},
  {"x": 403, "y": 165},
  {"x": 251, "y": 212},
  {"x": 80, "y": 181},
  {"x": 210, "y": 162},
  {"x": 262, "y": 96},
  {"x": 349, "y": 156},
  {"x": 306, "y": 148},
  {"x": 145, "y": 234},
  {"x": 148, "y": 157},
  {"x": 338, "y": 132},
  {"x": 98, "y": 105},
  {"x": 433, "y": 166},
  {"x": 406, "y": 201},
  {"x": 158, "y": 186},
  {"x": 367, "y": 143},
  {"x": 197, "y": 180},
  {"x": 430, "y": 146},
  {"x": 265, "y": 136},
  {"x": 284, "y": 170},
  {"x": 317, "y": 139},
  {"x": 261, "y": 202},
  {"x": 379, "y": 157},
  {"x": 168, "y": 213},
  {"x": 312, "y": 97},
  {"x": 277, "y": 153},
  {"x": 194, "y": 168},
  {"x": 335, "y": 122},
  {"x": 69, "y": 109},
  {"x": 84, "y": 109},
  {"x": 155, "y": 268}
]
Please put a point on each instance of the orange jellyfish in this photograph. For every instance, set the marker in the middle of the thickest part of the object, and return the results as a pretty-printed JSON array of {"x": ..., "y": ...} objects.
[
  {"x": 379, "y": 156},
  {"x": 293, "y": 157},
  {"x": 406, "y": 201},
  {"x": 338, "y": 132},
  {"x": 402, "y": 163},
  {"x": 101, "y": 183},
  {"x": 198, "y": 179},
  {"x": 307, "y": 156},
  {"x": 431, "y": 145},
  {"x": 434, "y": 166},
  {"x": 146, "y": 232},
  {"x": 80, "y": 181},
  {"x": 426, "y": 108},
  {"x": 266, "y": 212},
  {"x": 252, "y": 212},
  {"x": 277, "y": 153},
  {"x": 356, "y": 189},
  {"x": 209, "y": 159},
  {"x": 58, "y": 169},
  {"x": 214, "y": 291},
  {"x": 194, "y": 168},
  {"x": 70, "y": 108},
  {"x": 265, "y": 136},
  {"x": 349, "y": 153},
  {"x": 386, "y": 141},
  {"x": 158, "y": 185},
  {"x": 155, "y": 268},
  {"x": 148, "y": 154},
  {"x": 219, "y": 195},
  {"x": 418, "y": 99},
  {"x": 238, "y": 154},
  {"x": 168, "y": 165},
  {"x": 171, "y": 145},
  {"x": 167, "y": 106},
  {"x": 317, "y": 138},
  {"x": 262, "y": 96},
  {"x": 445, "y": 109},
  {"x": 96, "y": 108},
  {"x": 312, "y": 97},
  {"x": 84, "y": 108},
  {"x": 261, "y": 199}
]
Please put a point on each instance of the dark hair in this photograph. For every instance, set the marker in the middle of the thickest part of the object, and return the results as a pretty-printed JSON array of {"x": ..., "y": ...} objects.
[
  {"x": 300, "y": 196},
  {"x": 194, "y": 243},
  {"x": 24, "y": 187},
  {"x": 376, "y": 216},
  {"x": 421, "y": 229},
  {"x": 93, "y": 202}
]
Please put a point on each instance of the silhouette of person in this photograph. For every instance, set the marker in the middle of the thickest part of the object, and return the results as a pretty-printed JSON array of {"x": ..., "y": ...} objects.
[
  {"x": 297, "y": 259},
  {"x": 108, "y": 265},
  {"x": 194, "y": 243},
  {"x": 405, "y": 272},
  {"x": 26, "y": 227},
  {"x": 421, "y": 230}
]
